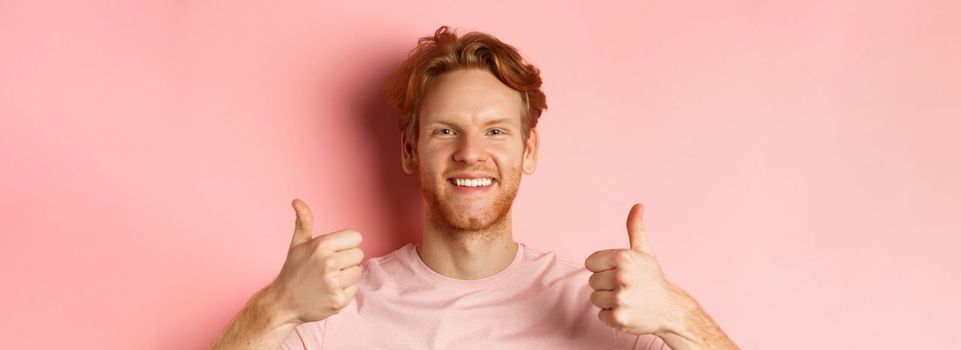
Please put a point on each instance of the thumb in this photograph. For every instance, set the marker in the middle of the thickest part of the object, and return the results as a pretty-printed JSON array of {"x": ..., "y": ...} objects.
[
  {"x": 636, "y": 231},
  {"x": 304, "y": 225}
]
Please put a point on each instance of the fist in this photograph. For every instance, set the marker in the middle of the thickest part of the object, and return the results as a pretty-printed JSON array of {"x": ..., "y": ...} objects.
[
  {"x": 318, "y": 278},
  {"x": 629, "y": 287}
]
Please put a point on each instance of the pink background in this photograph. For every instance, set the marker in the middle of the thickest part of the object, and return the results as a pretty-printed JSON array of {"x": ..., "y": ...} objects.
[{"x": 799, "y": 161}]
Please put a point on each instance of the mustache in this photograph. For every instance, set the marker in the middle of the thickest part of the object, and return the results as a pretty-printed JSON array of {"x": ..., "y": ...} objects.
[{"x": 490, "y": 173}]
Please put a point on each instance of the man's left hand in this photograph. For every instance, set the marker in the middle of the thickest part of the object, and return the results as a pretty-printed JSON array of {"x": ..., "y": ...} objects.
[{"x": 634, "y": 295}]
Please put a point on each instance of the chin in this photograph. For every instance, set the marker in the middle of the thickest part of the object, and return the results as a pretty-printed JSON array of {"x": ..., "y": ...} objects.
[
  {"x": 472, "y": 223},
  {"x": 468, "y": 215}
]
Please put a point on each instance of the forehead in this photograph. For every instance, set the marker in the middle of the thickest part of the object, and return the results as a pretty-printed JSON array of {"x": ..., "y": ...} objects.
[{"x": 469, "y": 94}]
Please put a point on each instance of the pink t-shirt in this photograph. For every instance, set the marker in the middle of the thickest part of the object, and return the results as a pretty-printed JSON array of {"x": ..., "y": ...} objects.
[{"x": 537, "y": 302}]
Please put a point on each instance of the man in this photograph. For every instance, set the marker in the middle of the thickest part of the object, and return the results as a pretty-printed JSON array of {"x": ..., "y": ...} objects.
[{"x": 469, "y": 108}]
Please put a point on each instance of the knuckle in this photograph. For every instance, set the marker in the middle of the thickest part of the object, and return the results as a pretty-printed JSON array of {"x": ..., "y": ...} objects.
[
  {"x": 332, "y": 282},
  {"x": 330, "y": 265},
  {"x": 620, "y": 299},
  {"x": 345, "y": 299},
  {"x": 619, "y": 316},
  {"x": 337, "y": 299},
  {"x": 623, "y": 277},
  {"x": 321, "y": 248},
  {"x": 622, "y": 257}
]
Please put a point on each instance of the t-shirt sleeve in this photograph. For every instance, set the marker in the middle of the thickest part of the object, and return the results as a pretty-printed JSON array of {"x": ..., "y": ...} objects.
[
  {"x": 293, "y": 342},
  {"x": 307, "y": 336},
  {"x": 652, "y": 342},
  {"x": 627, "y": 341}
]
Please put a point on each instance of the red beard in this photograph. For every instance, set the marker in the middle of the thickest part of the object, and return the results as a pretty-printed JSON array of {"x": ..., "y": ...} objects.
[{"x": 443, "y": 213}]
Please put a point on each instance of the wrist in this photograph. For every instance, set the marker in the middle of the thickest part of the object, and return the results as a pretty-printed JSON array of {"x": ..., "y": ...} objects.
[
  {"x": 270, "y": 300},
  {"x": 690, "y": 327},
  {"x": 677, "y": 324}
]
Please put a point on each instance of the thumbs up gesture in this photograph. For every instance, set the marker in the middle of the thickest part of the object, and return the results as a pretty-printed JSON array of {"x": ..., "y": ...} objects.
[
  {"x": 318, "y": 278},
  {"x": 634, "y": 295}
]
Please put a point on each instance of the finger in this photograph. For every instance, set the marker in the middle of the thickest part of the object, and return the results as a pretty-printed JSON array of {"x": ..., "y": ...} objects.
[
  {"x": 340, "y": 240},
  {"x": 346, "y": 258},
  {"x": 607, "y": 317},
  {"x": 603, "y": 299},
  {"x": 603, "y": 280},
  {"x": 350, "y": 291},
  {"x": 601, "y": 260},
  {"x": 349, "y": 276},
  {"x": 303, "y": 226},
  {"x": 636, "y": 231}
]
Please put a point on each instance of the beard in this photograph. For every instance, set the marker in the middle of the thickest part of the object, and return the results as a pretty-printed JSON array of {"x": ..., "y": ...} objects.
[{"x": 445, "y": 215}]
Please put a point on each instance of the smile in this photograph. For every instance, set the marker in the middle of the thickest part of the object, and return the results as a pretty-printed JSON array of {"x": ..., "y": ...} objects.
[{"x": 482, "y": 182}]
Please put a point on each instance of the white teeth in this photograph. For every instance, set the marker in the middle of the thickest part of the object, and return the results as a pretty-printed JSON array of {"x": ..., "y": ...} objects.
[{"x": 473, "y": 182}]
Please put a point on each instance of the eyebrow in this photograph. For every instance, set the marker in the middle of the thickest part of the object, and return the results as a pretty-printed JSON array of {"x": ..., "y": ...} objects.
[
  {"x": 488, "y": 123},
  {"x": 499, "y": 121}
]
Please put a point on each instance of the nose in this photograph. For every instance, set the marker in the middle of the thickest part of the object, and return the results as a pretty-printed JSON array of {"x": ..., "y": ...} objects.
[{"x": 470, "y": 150}]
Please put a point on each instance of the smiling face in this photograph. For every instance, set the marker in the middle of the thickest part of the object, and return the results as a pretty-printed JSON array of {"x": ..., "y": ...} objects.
[{"x": 469, "y": 151}]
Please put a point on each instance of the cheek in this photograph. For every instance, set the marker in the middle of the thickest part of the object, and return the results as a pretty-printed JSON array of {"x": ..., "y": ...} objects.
[
  {"x": 508, "y": 157},
  {"x": 433, "y": 159}
]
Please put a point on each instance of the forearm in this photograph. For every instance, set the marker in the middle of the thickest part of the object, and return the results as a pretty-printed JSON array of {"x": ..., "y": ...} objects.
[
  {"x": 693, "y": 328},
  {"x": 260, "y": 325}
]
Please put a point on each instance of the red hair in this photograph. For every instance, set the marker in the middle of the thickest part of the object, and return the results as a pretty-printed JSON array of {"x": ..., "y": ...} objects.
[{"x": 445, "y": 52}]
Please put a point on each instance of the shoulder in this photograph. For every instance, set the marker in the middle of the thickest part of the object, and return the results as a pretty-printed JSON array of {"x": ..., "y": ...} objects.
[
  {"x": 388, "y": 268},
  {"x": 554, "y": 269},
  {"x": 397, "y": 259},
  {"x": 536, "y": 254}
]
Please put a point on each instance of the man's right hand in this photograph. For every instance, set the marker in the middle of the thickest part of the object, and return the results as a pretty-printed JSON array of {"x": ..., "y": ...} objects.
[{"x": 318, "y": 279}]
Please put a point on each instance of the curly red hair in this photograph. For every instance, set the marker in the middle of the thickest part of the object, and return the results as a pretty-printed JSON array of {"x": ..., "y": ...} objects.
[{"x": 445, "y": 52}]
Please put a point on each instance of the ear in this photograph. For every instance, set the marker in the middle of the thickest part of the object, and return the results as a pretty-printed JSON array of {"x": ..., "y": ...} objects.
[
  {"x": 408, "y": 154},
  {"x": 529, "y": 163}
]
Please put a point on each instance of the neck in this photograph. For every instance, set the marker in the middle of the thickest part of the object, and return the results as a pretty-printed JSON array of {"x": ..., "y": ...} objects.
[{"x": 468, "y": 255}]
